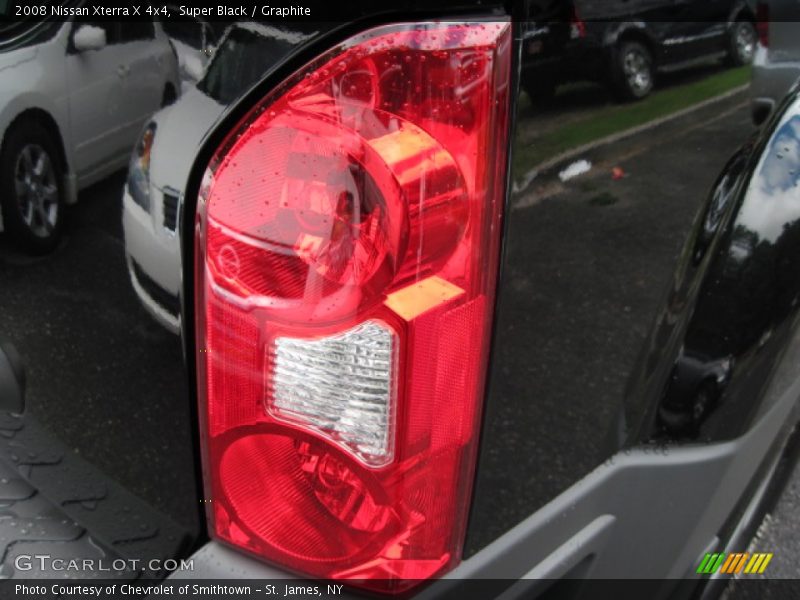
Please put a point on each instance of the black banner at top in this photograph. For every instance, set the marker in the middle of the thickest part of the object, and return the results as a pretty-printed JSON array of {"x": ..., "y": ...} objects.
[
  {"x": 18, "y": 10},
  {"x": 276, "y": 11}
]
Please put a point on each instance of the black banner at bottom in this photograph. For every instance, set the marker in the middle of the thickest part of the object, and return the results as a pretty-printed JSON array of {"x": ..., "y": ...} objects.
[{"x": 478, "y": 589}]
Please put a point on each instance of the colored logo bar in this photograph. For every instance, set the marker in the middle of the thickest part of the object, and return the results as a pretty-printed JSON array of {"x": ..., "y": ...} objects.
[{"x": 735, "y": 562}]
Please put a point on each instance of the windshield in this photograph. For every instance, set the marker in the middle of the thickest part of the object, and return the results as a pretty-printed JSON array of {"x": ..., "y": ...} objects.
[{"x": 242, "y": 58}]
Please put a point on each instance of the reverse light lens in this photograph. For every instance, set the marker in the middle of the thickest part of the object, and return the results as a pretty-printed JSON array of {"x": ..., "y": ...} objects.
[
  {"x": 341, "y": 386},
  {"x": 346, "y": 250}
]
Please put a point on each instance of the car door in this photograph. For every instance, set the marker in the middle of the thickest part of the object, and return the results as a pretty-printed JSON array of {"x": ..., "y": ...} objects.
[
  {"x": 97, "y": 100},
  {"x": 144, "y": 81},
  {"x": 656, "y": 18},
  {"x": 698, "y": 27}
]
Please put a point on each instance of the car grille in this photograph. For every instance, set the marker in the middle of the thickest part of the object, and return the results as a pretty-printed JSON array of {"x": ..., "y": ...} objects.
[{"x": 171, "y": 201}]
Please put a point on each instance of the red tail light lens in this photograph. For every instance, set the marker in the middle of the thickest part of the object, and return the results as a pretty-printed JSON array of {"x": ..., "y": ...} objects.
[
  {"x": 762, "y": 23},
  {"x": 577, "y": 25},
  {"x": 346, "y": 242}
]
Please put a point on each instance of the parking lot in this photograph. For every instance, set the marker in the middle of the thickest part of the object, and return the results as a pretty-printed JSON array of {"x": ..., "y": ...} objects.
[{"x": 101, "y": 373}]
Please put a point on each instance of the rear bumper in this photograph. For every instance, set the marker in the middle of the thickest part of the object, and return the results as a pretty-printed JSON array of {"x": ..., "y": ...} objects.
[{"x": 598, "y": 529}]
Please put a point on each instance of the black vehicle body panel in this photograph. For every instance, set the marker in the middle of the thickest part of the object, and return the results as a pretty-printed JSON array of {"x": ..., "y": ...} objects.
[
  {"x": 744, "y": 303},
  {"x": 565, "y": 351}
]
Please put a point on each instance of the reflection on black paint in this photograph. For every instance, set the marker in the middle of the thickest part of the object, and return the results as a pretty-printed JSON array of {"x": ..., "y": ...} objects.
[
  {"x": 578, "y": 368},
  {"x": 661, "y": 317},
  {"x": 746, "y": 306}
]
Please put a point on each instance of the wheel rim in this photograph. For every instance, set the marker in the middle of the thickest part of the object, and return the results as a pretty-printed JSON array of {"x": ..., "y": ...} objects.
[
  {"x": 745, "y": 43},
  {"x": 637, "y": 71},
  {"x": 37, "y": 190}
]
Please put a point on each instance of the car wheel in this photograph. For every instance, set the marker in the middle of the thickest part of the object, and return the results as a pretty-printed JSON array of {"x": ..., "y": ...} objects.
[
  {"x": 32, "y": 189},
  {"x": 742, "y": 44},
  {"x": 632, "y": 71}
]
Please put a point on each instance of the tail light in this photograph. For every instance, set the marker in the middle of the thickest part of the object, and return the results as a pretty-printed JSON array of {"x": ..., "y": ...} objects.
[
  {"x": 762, "y": 23},
  {"x": 346, "y": 242},
  {"x": 577, "y": 26}
]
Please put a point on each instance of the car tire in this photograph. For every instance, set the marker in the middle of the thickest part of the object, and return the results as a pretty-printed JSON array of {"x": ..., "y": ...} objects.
[
  {"x": 32, "y": 187},
  {"x": 742, "y": 44},
  {"x": 632, "y": 71}
]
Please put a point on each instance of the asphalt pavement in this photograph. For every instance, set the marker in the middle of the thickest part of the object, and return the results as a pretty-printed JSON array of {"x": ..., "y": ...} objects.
[{"x": 102, "y": 375}]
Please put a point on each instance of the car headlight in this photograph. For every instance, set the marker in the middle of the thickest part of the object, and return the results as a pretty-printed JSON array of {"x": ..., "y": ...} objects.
[{"x": 139, "y": 168}]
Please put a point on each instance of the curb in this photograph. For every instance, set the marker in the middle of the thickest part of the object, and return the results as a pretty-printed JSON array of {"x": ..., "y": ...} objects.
[{"x": 573, "y": 153}]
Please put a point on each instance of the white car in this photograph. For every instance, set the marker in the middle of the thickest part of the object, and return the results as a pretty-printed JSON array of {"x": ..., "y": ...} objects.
[
  {"x": 194, "y": 41},
  {"x": 73, "y": 98},
  {"x": 162, "y": 159}
]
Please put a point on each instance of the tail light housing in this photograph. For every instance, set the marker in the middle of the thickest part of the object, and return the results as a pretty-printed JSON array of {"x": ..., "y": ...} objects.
[
  {"x": 346, "y": 245},
  {"x": 762, "y": 23},
  {"x": 577, "y": 26}
]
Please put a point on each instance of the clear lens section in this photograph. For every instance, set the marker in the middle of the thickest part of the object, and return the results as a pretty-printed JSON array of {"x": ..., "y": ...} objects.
[{"x": 341, "y": 385}]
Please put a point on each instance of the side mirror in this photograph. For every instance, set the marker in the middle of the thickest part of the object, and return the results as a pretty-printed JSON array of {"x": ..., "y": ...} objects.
[
  {"x": 89, "y": 37},
  {"x": 192, "y": 68}
]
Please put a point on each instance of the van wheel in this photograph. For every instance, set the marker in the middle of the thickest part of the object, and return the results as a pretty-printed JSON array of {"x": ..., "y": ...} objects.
[
  {"x": 632, "y": 71},
  {"x": 32, "y": 188}
]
